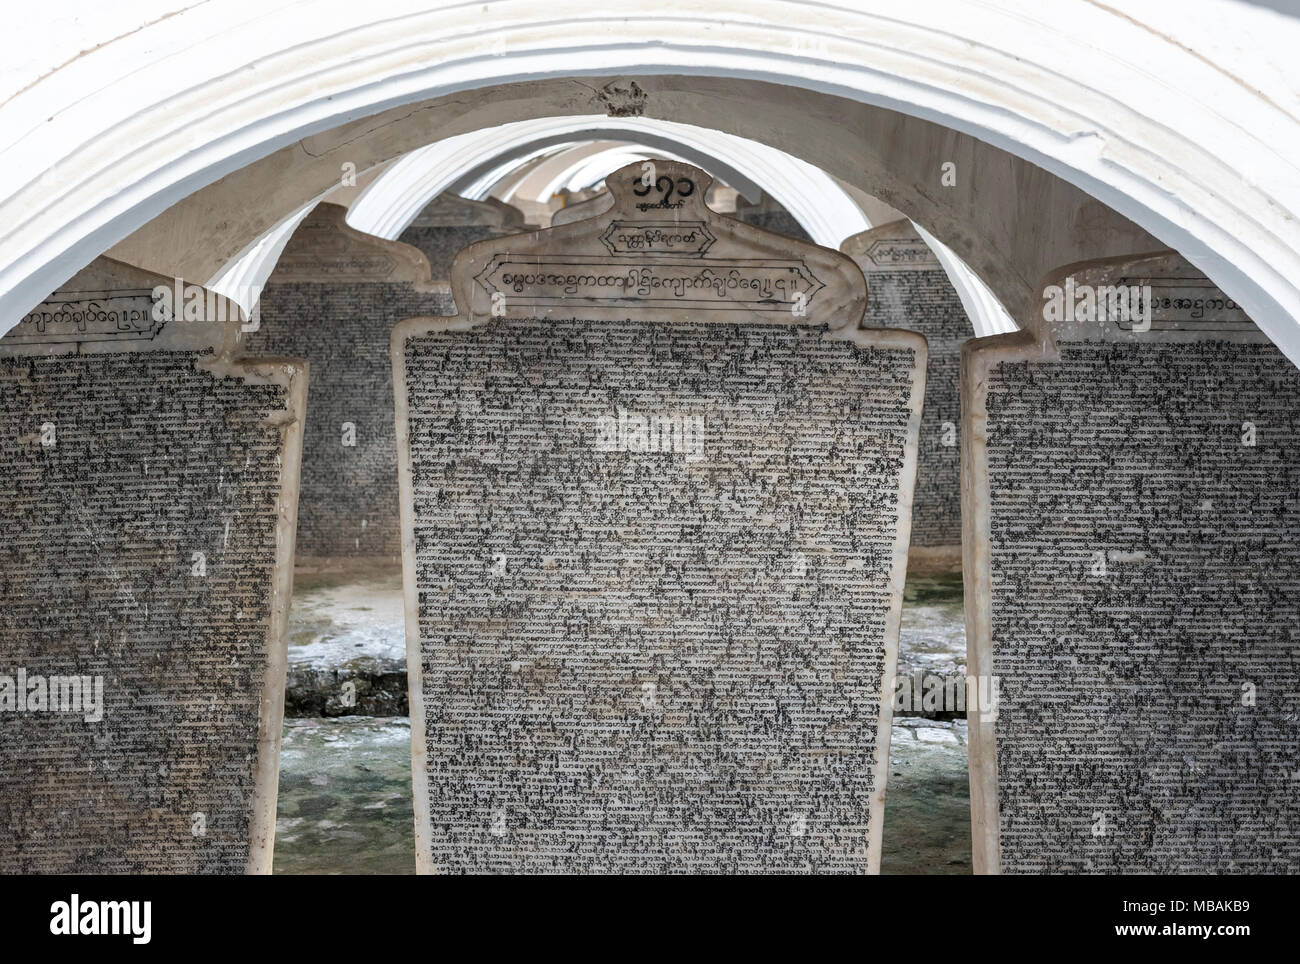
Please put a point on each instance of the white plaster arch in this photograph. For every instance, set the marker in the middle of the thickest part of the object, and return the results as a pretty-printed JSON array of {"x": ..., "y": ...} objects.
[
  {"x": 464, "y": 162},
  {"x": 396, "y": 197},
  {"x": 505, "y": 178},
  {"x": 470, "y": 164},
  {"x": 521, "y": 182},
  {"x": 987, "y": 314},
  {"x": 392, "y": 200},
  {"x": 591, "y": 171},
  {"x": 243, "y": 279},
  {"x": 661, "y": 145},
  {"x": 1187, "y": 124}
]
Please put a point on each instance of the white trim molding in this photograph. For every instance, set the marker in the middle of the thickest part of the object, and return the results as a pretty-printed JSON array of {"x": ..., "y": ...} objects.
[{"x": 1181, "y": 117}]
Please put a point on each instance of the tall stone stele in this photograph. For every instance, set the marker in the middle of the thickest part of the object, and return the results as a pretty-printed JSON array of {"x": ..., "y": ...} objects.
[
  {"x": 908, "y": 288},
  {"x": 1133, "y": 572},
  {"x": 333, "y": 299},
  {"x": 656, "y": 488},
  {"x": 148, "y": 496}
]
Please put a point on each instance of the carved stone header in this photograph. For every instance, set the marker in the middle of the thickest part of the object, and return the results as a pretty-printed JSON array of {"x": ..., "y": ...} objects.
[
  {"x": 325, "y": 249},
  {"x": 891, "y": 247},
  {"x": 1160, "y": 297},
  {"x": 582, "y": 210},
  {"x": 110, "y": 306},
  {"x": 659, "y": 247}
]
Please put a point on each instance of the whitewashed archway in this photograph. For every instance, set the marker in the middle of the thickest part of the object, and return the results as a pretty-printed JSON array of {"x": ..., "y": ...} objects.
[
  {"x": 1186, "y": 124},
  {"x": 393, "y": 200}
]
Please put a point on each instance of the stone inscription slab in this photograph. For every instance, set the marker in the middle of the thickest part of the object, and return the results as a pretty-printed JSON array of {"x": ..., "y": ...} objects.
[
  {"x": 343, "y": 326},
  {"x": 450, "y": 223},
  {"x": 907, "y": 288},
  {"x": 736, "y": 284},
  {"x": 659, "y": 660},
  {"x": 654, "y": 571},
  {"x": 589, "y": 208},
  {"x": 85, "y": 316},
  {"x": 148, "y": 504},
  {"x": 325, "y": 249},
  {"x": 658, "y": 247},
  {"x": 1138, "y": 596}
]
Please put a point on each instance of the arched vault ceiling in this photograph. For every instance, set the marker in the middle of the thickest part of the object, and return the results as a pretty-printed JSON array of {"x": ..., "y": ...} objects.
[
  {"x": 810, "y": 195},
  {"x": 580, "y": 174},
  {"x": 818, "y": 202},
  {"x": 231, "y": 114}
]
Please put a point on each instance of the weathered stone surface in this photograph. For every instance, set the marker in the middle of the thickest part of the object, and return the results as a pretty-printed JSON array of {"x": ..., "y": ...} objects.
[
  {"x": 589, "y": 208},
  {"x": 378, "y": 688},
  {"x": 909, "y": 289},
  {"x": 769, "y": 215},
  {"x": 334, "y": 299},
  {"x": 659, "y": 247},
  {"x": 660, "y": 657},
  {"x": 148, "y": 505},
  {"x": 1135, "y": 569},
  {"x": 326, "y": 250},
  {"x": 450, "y": 223}
]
